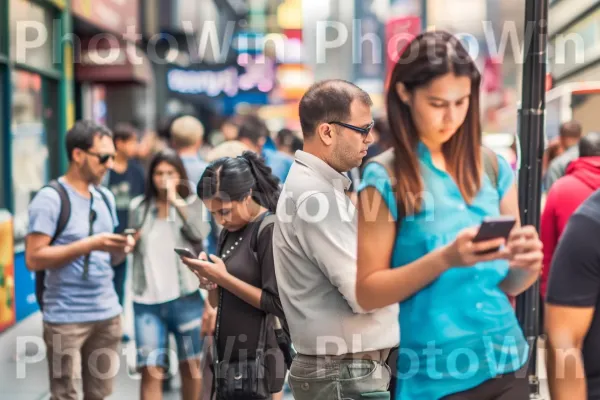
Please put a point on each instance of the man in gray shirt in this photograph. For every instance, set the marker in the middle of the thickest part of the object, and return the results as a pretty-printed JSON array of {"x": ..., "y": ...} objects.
[
  {"x": 342, "y": 349},
  {"x": 570, "y": 135}
]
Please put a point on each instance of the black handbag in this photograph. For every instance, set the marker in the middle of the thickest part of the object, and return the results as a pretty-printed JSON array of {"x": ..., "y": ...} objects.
[{"x": 242, "y": 379}]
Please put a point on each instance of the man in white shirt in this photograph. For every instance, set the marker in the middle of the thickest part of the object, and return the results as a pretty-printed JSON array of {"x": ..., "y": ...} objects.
[{"x": 342, "y": 349}]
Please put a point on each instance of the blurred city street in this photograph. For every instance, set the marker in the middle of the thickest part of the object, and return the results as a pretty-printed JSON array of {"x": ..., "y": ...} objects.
[{"x": 119, "y": 98}]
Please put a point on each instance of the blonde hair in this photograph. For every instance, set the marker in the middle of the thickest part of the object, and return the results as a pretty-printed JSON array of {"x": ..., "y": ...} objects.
[
  {"x": 186, "y": 131},
  {"x": 232, "y": 148}
]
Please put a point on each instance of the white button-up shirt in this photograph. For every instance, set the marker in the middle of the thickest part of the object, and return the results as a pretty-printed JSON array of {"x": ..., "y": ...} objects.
[{"x": 314, "y": 247}]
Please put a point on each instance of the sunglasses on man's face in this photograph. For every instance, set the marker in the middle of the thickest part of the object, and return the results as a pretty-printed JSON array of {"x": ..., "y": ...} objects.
[
  {"x": 102, "y": 158},
  {"x": 364, "y": 131}
]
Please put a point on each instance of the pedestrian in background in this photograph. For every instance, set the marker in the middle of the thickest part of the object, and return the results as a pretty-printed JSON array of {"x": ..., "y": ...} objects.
[
  {"x": 166, "y": 298},
  {"x": 581, "y": 179},
  {"x": 125, "y": 181},
  {"x": 81, "y": 308}
]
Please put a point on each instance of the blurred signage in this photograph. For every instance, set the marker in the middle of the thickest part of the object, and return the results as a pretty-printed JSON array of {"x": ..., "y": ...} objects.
[
  {"x": 281, "y": 47},
  {"x": 399, "y": 32},
  {"x": 289, "y": 14},
  {"x": 111, "y": 15},
  {"x": 368, "y": 47},
  {"x": 249, "y": 42},
  {"x": 294, "y": 80},
  {"x": 25, "y": 300},
  {"x": 7, "y": 271},
  {"x": 252, "y": 73},
  {"x": 58, "y": 3}
]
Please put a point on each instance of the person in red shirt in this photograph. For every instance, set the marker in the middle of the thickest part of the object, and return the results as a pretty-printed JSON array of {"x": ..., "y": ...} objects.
[{"x": 582, "y": 178}]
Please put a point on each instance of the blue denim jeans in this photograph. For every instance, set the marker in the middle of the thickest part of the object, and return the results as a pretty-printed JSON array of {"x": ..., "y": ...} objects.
[
  {"x": 319, "y": 378},
  {"x": 153, "y": 322}
]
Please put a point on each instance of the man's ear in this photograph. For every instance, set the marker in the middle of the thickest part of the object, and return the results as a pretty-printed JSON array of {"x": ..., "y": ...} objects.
[
  {"x": 403, "y": 93},
  {"x": 325, "y": 133},
  {"x": 262, "y": 141},
  {"x": 77, "y": 155}
]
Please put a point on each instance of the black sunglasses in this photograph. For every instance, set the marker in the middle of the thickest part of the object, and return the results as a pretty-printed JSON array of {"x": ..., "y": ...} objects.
[
  {"x": 103, "y": 158},
  {"x": 363, "y": 131}
]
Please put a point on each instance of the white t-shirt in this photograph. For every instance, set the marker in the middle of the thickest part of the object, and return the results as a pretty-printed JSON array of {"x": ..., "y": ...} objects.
[{"x": 160, "y": 265}]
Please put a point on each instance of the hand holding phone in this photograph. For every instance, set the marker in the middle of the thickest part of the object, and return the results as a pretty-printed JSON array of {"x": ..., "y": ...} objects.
[{"x": 475, "y": 245}]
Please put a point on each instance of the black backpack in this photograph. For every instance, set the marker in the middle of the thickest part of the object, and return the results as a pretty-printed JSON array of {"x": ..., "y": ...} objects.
[{"x": 61, "y": 224}]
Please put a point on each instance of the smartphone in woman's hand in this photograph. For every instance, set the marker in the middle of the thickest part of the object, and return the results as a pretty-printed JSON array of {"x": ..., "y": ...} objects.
[{"x": 185, "y": 252}]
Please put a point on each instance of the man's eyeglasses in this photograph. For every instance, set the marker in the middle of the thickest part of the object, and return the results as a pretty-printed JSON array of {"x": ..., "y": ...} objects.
[
  {"x": 102, "y": 158},
  {"x": 363, "y": 131}
]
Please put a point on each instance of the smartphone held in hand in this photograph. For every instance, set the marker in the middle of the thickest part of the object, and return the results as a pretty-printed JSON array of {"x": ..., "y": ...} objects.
[
  {"x": 495, "y": 228},
  {"x": 185, "y": 252}
]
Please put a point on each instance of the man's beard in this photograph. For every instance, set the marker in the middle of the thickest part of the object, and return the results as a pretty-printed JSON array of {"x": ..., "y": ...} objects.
[{"x": 89, "y": 176}]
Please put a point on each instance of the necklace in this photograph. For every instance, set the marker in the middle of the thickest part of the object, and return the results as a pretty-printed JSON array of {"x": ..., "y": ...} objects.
[{"x": 226, "y": 253}]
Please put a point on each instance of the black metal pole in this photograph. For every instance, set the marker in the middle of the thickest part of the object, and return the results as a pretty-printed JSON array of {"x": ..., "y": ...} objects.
[{"x": 531, "y": 134}]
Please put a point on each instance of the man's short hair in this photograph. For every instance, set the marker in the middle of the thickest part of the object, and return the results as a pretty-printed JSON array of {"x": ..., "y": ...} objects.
[
  {"x": 186, "y": 131},
  {"x": 124, "y": 131},
  {"x": 82, "y": 134},
  {"x": 253, "y": 128},
  {"x": 589, "y": 145},
  {"x": 571, "y": 129},
  {"x": 329, "y": 100}
]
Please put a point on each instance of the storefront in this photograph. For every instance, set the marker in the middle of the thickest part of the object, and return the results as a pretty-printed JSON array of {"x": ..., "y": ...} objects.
[
  {"x": 114, "y": 81},
  {"x": 574, "y": 43},
  {"x": 116, "y": 91},
  {"x": 34, "y": 102}
]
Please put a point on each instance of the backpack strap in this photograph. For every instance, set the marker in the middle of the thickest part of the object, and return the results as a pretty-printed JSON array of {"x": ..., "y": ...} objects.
[
  {"x": 65, "y": 208},
  {"x": 281, "y": 328},
  {"x": 265, "y": 220},
  {"x": 490, "y": 165},
  {"x": 106, "y": 201},
  {"x": 63, "y": 219}
]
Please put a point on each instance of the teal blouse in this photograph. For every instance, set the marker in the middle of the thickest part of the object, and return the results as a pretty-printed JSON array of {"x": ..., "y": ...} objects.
[{"x": 460, "y": 330}]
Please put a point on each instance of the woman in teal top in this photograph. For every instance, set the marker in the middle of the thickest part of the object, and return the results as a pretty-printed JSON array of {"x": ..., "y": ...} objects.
[{"x": 459, "y": 330}]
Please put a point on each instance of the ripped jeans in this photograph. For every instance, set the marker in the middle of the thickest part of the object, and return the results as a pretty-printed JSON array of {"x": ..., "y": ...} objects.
[
  {"x": 313, "y": 378},
  {"x": 154, "y": 322}
]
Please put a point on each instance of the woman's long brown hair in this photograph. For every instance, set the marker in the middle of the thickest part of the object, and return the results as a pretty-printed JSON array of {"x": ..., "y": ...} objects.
[{"x": 429, "y": 56}]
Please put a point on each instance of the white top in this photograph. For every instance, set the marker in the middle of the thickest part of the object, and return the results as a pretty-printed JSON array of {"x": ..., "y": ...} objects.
[
  {"x": 160, "y": 265},
  {"x": 314, "y": 247}
]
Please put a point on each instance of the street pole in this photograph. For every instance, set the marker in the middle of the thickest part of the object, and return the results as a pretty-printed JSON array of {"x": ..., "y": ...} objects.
[
  {"x": 531, "y": 134},
  {"x": 423, "y": 15}
]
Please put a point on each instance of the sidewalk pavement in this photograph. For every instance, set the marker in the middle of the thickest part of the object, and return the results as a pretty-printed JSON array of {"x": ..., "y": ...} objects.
[{"x": 24, "y": 370}]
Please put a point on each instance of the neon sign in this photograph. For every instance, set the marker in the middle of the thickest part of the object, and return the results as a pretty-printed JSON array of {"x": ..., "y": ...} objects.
[{"x": 258, "y": 74}]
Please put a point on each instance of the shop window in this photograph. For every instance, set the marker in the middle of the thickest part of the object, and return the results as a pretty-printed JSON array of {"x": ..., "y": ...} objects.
[
  {"x": 31, "y": 33},
  {"x": 51, "y": 126},
  {"x": 3, "y": 24},
  {"x": 3, "y": 189},
  {"x": 29, "y": 147}
]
